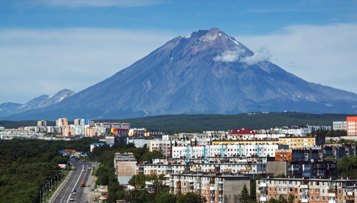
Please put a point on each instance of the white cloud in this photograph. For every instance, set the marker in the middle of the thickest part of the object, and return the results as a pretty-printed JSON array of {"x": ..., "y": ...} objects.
[
  {"x": 36, "y": 62},
  {"x": 260, "y": 55},
  {"x": 99, "y": 3},
  {"x": 229, "y": 56},
  {"x": 320, "y": 54}
]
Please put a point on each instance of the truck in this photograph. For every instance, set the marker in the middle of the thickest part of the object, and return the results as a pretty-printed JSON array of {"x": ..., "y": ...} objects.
[{"x": 83, "y": 183}]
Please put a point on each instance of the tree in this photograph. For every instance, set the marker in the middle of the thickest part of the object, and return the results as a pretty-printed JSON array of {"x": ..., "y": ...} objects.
[
  {"x": 167, "y": 198},
  {"x": 291, "y": 198},
  {"x": 330, "y": 158},
  {"x": 244, "y": 195},
  {"x": 280, "y": 175},
  {"x": 253, "y": 187},
  {"x": 190, "y": 197}
]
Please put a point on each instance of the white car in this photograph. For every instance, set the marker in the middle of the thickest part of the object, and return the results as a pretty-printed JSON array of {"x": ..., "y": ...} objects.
[
  {"x": 89, "y": 168},
  {"x": 71, "y": 199}
]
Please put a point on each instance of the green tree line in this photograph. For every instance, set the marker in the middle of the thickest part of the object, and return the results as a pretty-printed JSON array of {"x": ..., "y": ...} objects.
[{"x": 26, "y": 165}]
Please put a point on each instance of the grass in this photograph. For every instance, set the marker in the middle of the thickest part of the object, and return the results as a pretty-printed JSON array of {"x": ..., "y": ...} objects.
[{"x": 58, "y": 183}]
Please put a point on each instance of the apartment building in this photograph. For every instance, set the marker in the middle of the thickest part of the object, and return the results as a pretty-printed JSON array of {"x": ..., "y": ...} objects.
[
  {"x": 42, "y": 123},
  {"x": 139, "y": 142},
  {"x": 138, "y": 132},
  {"x": 352, "y": 126},
  {"x": 214, "y": 159},
  {"x": 215, "y": 187},
  {"x": 125, "y": 166},
  {"x": 302, "y": 142},
  {"x": 335, "y": 151},
  {"x": 172, "y": 168},
  {"x": 323, "y": 169},
  {"x": 339, "y": 125},
  {"x": 226, "y": 150},
  {"x": 62, "y": 122},
  {"x": 313, "y": 190},
  {"x": 68, "y": 131},
  {"x": 245, "y": 142},
  {"x": 300, "y": 131}
]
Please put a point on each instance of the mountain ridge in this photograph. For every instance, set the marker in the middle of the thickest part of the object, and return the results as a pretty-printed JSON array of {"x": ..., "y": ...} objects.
[
  {"x": 9, "y": 108},
  {"x": 206, "y": 72}
]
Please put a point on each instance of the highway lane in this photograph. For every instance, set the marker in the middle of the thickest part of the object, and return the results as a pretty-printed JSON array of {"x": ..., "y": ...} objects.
[{"x": 74, "y": 181}]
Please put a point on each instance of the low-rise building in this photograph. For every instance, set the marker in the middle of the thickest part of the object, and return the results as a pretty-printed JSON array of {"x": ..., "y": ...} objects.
[{"x": 94, "y": 145}]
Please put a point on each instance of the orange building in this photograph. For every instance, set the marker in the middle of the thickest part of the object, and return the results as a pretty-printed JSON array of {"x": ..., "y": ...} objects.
[
  {"x": 352, "y": 126},
  {"x": 283, "y": 155},
  {"x": 69, "y": 151}
]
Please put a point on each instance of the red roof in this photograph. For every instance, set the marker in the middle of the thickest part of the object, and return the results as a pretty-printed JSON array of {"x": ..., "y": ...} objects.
[{"x": 242, "y": 132}]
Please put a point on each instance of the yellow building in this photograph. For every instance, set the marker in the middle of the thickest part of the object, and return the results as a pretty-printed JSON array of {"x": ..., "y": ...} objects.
[
  {"x": 245, "y": 142},
  {"x": 298, "y": 142}
]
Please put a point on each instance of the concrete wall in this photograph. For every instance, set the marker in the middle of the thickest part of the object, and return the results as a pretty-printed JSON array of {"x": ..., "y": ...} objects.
[
  {"x": 233, "y": 188},
  {"x": 124, "y": 179},
  {"x": 277, "y": 167},
  {"x": 126, "y": 169}
]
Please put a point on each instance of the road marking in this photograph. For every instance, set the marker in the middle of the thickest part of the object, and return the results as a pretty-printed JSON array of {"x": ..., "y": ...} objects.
[
  {"x": 75, "y": 184},
  {"x": 70, "y": 180}
]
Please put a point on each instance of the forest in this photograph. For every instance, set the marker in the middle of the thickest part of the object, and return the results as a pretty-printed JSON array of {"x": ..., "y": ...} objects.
[
  {"x": 26, "y": 165},
  {"x": 205, "y": 122}
]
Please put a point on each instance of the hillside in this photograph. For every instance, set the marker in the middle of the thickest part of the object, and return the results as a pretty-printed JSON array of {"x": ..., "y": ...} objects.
[
  {"x": 207, "y": 72},
  {"x": 202, "y": 122}
]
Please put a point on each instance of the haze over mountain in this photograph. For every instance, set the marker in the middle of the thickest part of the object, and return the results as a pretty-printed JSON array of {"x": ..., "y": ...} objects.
[
  {"x": 207, "y": 72},
  {"x": 10, "y": 108}
]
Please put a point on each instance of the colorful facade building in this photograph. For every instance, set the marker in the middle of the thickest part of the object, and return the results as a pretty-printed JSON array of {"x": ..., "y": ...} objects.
[{"x": 352, "y": 126}]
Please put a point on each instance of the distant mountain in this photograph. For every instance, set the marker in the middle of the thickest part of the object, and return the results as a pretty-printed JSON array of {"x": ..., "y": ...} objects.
[
  {"x": 207, "y": 72},
  {"x": 9, "y": 108}
]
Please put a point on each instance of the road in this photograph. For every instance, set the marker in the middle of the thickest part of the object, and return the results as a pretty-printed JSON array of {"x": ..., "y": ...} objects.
[{"x": 74, "y": 181}]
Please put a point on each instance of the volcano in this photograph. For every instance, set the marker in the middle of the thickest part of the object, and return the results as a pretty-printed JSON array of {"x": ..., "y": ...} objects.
[{"x": 207, "y": 72}]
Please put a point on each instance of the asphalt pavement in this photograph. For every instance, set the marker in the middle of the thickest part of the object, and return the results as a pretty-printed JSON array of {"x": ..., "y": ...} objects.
[{"x": 73, "y": 181}]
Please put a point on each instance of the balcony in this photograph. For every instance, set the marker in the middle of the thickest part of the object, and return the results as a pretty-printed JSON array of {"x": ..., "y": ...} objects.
[
  {"x": 305, "y": 200},
  {"x": 304, "y": 186},
  {"x": 332, "y": 200},
  {"x": 198, "y": 185},
  {"x": 263, "y": 184},
  {"x": 263, "y": 199},
  {"x": 349, "y": 192},
  {"x": 212, "y": 188}
]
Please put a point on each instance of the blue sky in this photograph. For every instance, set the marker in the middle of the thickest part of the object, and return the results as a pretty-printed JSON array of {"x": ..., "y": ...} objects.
[{"x": 49, "y": 45}]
